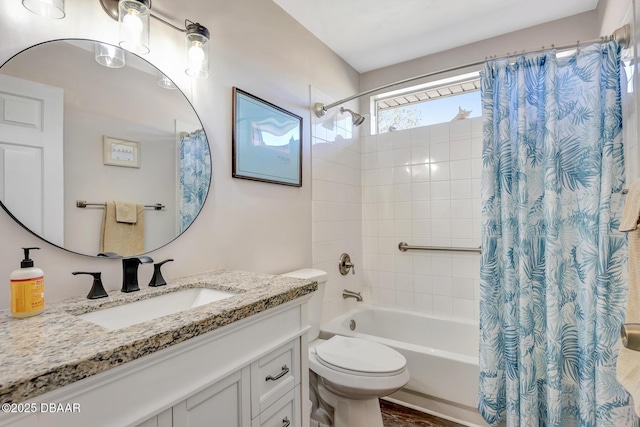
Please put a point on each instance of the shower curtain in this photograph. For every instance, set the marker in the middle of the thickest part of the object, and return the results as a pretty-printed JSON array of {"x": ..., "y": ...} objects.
[
  {"x": 195, "y": 174},
  {"x": 553, "y": 265}
]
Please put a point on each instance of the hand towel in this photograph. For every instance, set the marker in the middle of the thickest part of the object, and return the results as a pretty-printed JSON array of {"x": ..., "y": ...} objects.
[
  {"x": 628, "y": 364},
  {"x": 126, "y": 212},
  {"x": 123, "y": 238}
]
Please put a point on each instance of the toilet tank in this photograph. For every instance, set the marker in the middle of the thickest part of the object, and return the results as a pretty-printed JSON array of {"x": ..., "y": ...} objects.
[{"x": 314, "y": 306}]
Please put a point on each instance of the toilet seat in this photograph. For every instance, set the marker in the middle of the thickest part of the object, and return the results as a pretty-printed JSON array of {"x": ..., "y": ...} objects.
[
  {"x": 357, "y": 356},
  {"x": 353, "y": 384}
]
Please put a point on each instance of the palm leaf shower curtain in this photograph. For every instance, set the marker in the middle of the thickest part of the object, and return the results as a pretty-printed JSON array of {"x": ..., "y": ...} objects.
[
  {"x": 553, "y": 285},
  {"x": 195, "y": 174}
]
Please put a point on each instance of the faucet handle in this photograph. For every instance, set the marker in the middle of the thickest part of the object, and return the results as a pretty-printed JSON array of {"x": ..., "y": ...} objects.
[
  {"x": 157, "y": 279},
  {"x": 345, "y": 264},
  {"x": 97, "y": 290}
]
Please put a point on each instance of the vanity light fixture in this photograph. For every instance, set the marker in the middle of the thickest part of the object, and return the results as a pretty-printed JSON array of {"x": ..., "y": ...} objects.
[
  {"x": 133, "y": 16},
  {"x": 197, "y": 50},
  {"x": 53, "y": 9},
  {"x": 109, "y": 56}
]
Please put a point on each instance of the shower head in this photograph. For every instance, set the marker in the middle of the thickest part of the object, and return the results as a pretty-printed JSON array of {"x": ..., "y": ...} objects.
[{"x": 357, "y": 119}]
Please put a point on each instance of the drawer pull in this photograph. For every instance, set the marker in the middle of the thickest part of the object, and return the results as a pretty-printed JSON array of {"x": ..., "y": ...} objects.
[
  {"x": 285, "y": 371},
  {"x": 286, "y": 422}
]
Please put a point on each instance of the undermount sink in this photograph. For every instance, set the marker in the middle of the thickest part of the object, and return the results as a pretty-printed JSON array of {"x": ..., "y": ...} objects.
[{"x": 152, "y": 308}]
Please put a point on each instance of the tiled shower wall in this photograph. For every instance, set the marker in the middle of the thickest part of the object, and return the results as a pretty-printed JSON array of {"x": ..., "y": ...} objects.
[
  {"x": 422, "y": 186},
  {"x": 337, "y": 204}
]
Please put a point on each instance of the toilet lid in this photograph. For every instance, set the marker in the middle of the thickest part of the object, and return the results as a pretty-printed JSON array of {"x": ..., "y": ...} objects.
[{"x": 358, "y": 355}]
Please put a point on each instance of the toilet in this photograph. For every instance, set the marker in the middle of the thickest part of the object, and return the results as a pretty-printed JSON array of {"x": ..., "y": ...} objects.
[{"x": 348, "y": 374}]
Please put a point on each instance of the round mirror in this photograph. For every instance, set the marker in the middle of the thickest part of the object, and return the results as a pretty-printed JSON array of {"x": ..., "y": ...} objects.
[{"x": 99, "y": 151}]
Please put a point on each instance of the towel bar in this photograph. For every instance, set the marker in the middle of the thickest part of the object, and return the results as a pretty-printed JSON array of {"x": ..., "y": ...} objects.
[{"x": 84, "y": 204}]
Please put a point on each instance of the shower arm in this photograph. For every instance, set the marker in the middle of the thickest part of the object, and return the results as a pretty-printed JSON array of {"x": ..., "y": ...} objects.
[{"x": 622, "y": 35}]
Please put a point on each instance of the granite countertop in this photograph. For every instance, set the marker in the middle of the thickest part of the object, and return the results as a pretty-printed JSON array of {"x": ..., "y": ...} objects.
[{"x": 56, "y": 348}]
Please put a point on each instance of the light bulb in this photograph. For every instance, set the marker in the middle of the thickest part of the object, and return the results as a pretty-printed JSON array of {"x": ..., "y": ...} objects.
[
  {"x": 196, "y": 55},
  {"x": 134, "y": 26}
]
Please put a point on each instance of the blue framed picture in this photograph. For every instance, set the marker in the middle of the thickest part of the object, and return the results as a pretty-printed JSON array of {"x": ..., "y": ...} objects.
[{"x": 266, "y": 141}]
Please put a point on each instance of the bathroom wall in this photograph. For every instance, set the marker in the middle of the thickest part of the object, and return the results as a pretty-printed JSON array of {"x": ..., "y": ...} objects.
[
  {"x": 337, "y": 203},
  {"x": 244, "y": 225},
  {"x": 422, "y": 186}
]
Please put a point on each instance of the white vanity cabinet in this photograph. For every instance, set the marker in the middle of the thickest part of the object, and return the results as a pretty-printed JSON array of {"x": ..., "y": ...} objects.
[{"x": 250, "y": 373}]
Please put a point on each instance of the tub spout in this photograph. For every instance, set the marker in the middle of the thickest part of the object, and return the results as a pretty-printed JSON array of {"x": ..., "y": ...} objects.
[{"x": 350, "y": 294}]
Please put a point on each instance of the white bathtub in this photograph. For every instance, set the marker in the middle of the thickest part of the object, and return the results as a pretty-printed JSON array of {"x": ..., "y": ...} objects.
[{"x": 442, "y": 354}]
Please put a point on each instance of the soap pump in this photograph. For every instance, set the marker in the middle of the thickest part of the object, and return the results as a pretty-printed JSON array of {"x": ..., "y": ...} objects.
[{"x": 27, "y": 288}]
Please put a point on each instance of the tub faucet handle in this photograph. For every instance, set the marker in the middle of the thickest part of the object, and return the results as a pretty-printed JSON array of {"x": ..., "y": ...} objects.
[{"x": 345, "y": 264}]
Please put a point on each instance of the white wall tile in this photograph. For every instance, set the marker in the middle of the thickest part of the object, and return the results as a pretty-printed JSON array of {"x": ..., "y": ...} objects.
[
  {"x": 385, "y": 159},
  {"x": 386, "y": 228},
  {"x": 402, "y": 156},
  {"x": 460, "y": 129},
  {"x": 460, "y": 169},
  {"x": 420, "y": 173},
  {"x": 402, "y": 175},
  {"x": 461, "y": 209},
  {"x": 422, "y": 266},
  {"x": 461, "y": 189},
  {"x": 384, "y": 176},
  {"x": 440, "y": 190},
  {"x": 442, "y": 285},
  {"x": 403, "y": 228},
  {"x": 420, "y": 136},
  {"x": 440, "y": 171},
  {"x": 439, "y": 152},
  {"x": 460, "y": 150},
  {"x": 404, "y": 282},
  {"x": 402, "y": 192},
  {"x": 421, "y": 210},
  {"x": 423, "y": 303},
  {"x": 440, "y": 209},
  {"x": 420, "y": 154},
  {"x": 402, "y": 210},
  {"x": 404, "y": 300},
  {"x": 439, "y": 133},
  {"x": 443, "y": 306},
  {"x": 420, "y": 191}
]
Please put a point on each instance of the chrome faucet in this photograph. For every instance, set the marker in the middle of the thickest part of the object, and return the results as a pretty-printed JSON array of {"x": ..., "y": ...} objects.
[
  {"x": 130, "y": 272},
  {"x": 351, "y": 294}
]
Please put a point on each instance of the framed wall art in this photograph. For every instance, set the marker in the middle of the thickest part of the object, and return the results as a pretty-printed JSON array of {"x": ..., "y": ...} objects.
[
  {"x": 118, "y": 152},
  {"x": 266, "y": 141}
]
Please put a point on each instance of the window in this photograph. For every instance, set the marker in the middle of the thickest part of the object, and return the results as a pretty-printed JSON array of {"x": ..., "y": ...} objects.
[{"x": 436, "y": 102}]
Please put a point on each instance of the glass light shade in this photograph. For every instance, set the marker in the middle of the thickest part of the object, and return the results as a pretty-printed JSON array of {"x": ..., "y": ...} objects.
[
  {"x": 109, "y": 56},
  {"x": 197, "y": 52},
  {"x": 165, "y": 82},
  {"x": 53, "y": 9},
  {"x": 133, "y": 16}
]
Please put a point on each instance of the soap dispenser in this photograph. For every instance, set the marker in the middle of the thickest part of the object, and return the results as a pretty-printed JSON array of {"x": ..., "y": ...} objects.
[{"x": 27, "y": 288}]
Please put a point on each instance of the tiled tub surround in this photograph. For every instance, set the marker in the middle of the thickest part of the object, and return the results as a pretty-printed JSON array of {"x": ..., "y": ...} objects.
[
  {"x": 422, "y": 186},
  {"x": 57, "y": 348}
]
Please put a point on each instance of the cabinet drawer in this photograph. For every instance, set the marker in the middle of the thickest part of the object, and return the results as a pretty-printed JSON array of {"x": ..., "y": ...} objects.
[
  {"x": 285, "y": 412},
  {"x": 274, "y": 375}
]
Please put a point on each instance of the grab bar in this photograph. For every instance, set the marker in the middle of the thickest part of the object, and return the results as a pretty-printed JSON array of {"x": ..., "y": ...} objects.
[{"x": 403, "y": 246}]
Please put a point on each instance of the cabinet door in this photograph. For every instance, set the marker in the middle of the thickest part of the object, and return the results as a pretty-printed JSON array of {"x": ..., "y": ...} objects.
[
  {"x": 223, "y": 404},
  {"x": 163, "y": 419}
]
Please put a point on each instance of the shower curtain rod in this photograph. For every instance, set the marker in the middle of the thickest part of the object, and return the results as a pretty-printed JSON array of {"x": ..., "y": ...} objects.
[{"x": 622, "y": 35}]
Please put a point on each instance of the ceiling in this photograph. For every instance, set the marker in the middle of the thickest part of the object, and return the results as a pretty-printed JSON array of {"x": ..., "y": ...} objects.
[{"x": 371, "y": 34}]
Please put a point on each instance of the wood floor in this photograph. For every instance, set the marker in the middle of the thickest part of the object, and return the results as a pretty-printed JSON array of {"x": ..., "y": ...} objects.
[{"x": 400, "y": 416}]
